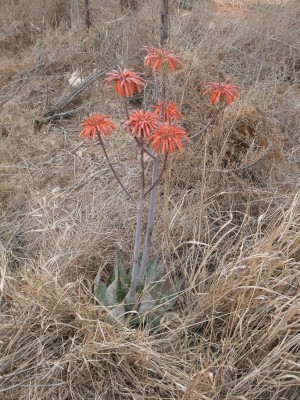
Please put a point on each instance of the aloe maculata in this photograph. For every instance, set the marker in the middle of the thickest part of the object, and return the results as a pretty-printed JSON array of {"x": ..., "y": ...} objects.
[
  {"x": 143, "y": 295},
  {"x": 145, "y": 307}
]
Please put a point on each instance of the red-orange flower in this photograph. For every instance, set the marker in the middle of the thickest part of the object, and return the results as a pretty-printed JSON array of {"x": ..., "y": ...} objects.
[
  {"x": 142, "y": 123},
  {"x": 172, "y": 112},
  {"x": 167, "y": 138},
  {"x": 125, "y": 81},
  {"x": 157, "y": 58},
  {"x": 221, "y": 92},
  {"x": 96, "y": 123}
]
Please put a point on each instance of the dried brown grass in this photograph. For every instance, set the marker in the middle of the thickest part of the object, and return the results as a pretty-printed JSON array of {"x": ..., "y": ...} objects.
[
  {"x": 235, "y": 334},
  {"x": 228, "y": 214}
]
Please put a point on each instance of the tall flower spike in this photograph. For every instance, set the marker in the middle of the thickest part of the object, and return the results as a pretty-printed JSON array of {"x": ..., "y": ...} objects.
[
  {"x": 172, "y": 112},
  {"x": 125, "y": 81},
  {"x": 142, "y": 123},
  {"x": 157, "y": 58},
  {"x": 96, "y": 123},
  {"x": 167, "y": 138},
  {"x": 224, "y": 92}
]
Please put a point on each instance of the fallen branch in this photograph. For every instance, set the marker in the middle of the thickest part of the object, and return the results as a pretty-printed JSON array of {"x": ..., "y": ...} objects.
[
  {"x": 71, "y": 96},
  {"x": 14, "y": 94}
]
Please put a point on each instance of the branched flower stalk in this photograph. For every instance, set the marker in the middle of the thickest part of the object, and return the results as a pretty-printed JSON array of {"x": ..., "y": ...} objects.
[
  {"x": 138, "y": 232},
  {"x": 112, "y": 168},
  {"x": 154, "y": 187},
  {"x": 158, "y": 134}
]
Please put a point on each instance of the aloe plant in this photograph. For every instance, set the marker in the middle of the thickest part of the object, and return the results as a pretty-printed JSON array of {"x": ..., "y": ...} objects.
[
  {"x": 144, "y": 308},
  {"x": 141, "y": 296}
]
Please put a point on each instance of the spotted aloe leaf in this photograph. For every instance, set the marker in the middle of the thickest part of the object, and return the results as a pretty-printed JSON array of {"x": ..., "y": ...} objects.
[
  {"x": 169, "y": 298},
  {"x": 156, "y": 296},
  {"x": 157, "y": 289},
  {"x": 112, "y": 290},
  {"x": 150, "y": 271},
  {"x": 155, "y": 271},
  {"x": 130, "y": 300},
  {"x": 123, "y": 277},
  {"x": 100, "y": 291},
  {"x": 116, "y": 315},
  {"x": 153, "y": 321},
  {"x": 147, "y": 303}
]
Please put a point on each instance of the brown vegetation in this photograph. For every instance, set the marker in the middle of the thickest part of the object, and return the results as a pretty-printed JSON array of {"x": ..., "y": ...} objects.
[{"x": 228, "y": 219}]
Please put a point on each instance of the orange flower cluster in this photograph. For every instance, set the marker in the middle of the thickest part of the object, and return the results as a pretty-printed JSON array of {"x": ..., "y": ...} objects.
[
  {"x": 172, "y": 112},
  {"x": 223, "y": 92},
  {"x": 96, "y": 123},
  {"x": 125, "y": 81},
  {"x": 163, "y": 137},
  {"x": 157, "y": 58},
  {"x": 167, "y": 138},
  {"x": 141, "y": 123}
]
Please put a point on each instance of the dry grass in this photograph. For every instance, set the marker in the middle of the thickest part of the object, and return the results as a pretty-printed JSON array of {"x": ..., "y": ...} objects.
[{"x": 228, "y": 214}]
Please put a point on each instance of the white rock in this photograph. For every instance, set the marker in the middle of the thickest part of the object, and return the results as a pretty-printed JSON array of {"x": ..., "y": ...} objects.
[{"x": 75, "y": 79}]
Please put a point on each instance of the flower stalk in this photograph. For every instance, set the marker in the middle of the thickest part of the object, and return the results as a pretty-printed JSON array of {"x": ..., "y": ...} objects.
[
  {"x": 138, "y": 231},
  {"x": 153, "y": 191},
  {"x": 158, "y": 134},
  {"x": 155, "y": 182},
  {"x": 112, "y": 168},
  {"x": 137, "y": 245},
  {"x": 150, "y": 223}
]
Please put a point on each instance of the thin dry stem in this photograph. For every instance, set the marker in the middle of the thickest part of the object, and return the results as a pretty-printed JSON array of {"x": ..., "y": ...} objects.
[{"x": 112, "y": 168}]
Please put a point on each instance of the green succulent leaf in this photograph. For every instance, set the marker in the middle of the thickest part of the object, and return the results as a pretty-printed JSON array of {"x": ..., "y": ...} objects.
[
  {"x": 130, "y": 300},
  {"x": 112, "y": 290},
  {"x": 123, "y": 276},
  {"x": 111, "y": 278},
  {"x": 153, "y": 321},
  {"x": 116, "y": 315},
  {"x": 100, "y": 292},
  {"x": 158, "y": 289},
  {"x": 147, "y": 303},
  {"x": 150, "y": 271},
  {"x": 170, "y": 296},
  {"x": 121, "y": 291},
  {"x": 156, "y": 300},
  {"x": 155, "y": 271}
]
